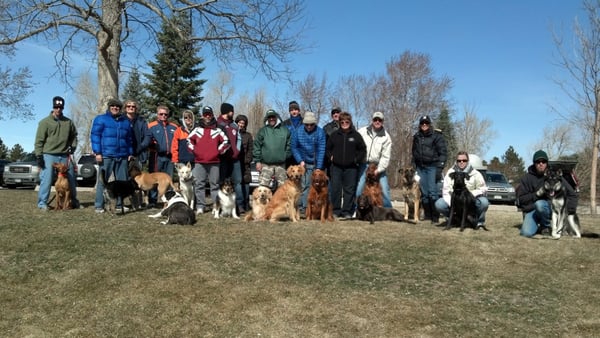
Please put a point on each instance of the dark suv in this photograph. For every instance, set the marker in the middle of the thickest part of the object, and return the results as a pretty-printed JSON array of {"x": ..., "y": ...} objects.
[{"x": 87, "y": 170}]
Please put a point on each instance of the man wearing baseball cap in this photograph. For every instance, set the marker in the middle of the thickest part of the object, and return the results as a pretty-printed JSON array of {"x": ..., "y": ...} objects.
[{"x": 55, "y": 141}]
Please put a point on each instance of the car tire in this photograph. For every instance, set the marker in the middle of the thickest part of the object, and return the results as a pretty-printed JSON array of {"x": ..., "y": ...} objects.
[
  {"x": 87, "y": 171},
  {"x": 11, "y": 186}
]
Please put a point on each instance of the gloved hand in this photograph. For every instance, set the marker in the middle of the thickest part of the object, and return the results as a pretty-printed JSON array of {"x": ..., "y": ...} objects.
[
  {"x": 40, "y": 161},
  {"x": 69, "y": 150}
]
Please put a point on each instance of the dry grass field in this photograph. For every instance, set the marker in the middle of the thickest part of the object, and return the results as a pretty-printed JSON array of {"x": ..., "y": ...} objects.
[{"x": 82, "y": 274}]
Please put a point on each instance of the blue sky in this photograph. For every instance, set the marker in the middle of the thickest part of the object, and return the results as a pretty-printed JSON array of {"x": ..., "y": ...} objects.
[{"x": 499, "y": 53}]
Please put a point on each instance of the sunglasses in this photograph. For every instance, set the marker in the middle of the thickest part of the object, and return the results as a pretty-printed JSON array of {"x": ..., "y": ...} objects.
[
  {"x": 462, "y": 161},
  {"x": 377, "y": 119},
  {"x": 130, "y": 106},
  {"x": 187, "y": 117},
  {"x": 113, "y": 106},
  {"x": 541, "y": 161},
  {"x": 162, "y": 114},
  {"x": 422, "y": 123},
  {"x": 345, "y": 122},
  {"x": 310, "y": 124}
]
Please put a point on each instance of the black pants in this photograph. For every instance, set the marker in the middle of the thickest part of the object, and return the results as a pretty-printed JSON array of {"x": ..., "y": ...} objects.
[{"x": 343, "y": 189}]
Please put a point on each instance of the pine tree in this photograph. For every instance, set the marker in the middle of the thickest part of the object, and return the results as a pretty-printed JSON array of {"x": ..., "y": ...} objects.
[
  {"x": 514, "y": 167},
  {"x": 134, "y": 90},
  {"x": 3, "y": 150},
  {"x": 174, "y": 80},
  {"x": 17, "y": 153},
  {"x": 444, "y": 123}
]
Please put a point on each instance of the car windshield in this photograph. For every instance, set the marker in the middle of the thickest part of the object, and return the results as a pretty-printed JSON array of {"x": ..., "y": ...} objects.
[{"x": 495, "y": 178}]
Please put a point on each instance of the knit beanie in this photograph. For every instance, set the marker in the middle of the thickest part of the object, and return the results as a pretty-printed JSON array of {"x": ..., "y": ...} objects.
[
  {"x": 226, "y": 108},
  {"x": 540, "y": 155},
  {"x": 294, "y": 106}
]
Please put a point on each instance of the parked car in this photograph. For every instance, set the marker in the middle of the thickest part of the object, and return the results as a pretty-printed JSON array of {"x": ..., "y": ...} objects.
[
  {"x": 87, "y": 170},
  {"x": 2, "y": 164},
  {"x": 23, "y": 173},
  {"x": 500, "y": 190}
]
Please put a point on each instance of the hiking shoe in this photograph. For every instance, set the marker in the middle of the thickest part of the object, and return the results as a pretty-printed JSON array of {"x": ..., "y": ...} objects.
[
  {"x": 44, "y": 208},
  {"x": 99, "y": 211}
]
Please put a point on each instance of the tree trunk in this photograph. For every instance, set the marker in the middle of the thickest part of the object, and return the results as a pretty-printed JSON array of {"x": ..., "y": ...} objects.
[
  {"x": 109, "y": 51},
  {"x": 595, "y": 148}
]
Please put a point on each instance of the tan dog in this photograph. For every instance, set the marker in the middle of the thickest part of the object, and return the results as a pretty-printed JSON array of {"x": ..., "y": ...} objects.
[
  {"x": 372, "y": 186},
  {"x": 261, "y": 196},
  {"x": 410, "y": 192},
  {"x": 319, "y": 206},
  {"x": 286, "y": 198},
  {"x": 147, "y": 181},
  {"x": 61, "y": 186}
]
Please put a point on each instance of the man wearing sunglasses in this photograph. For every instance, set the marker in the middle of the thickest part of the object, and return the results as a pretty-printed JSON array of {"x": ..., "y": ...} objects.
[
  {"x": 475, "y": 184},
  {"x": 536, "y": 209},
  {"x": 160, "y": 155}
]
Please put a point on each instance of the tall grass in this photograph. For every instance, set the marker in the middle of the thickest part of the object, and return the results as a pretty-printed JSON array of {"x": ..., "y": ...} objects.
[{"x": 77, "y": 273}]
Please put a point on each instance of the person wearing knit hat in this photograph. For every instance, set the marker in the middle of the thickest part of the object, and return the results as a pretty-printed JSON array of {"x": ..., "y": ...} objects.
[
  {"x": 537, "y": 211},
  {"x": 55, "y": 141},
  {"x": 271, "y": 149},
  {"x": 333, "y": 125},
  {"x": 230, "y": 166},
  {"x": 308, "y": 150},
  {"x": 245, "y": 158},
  {"x": 114, "y": 103},
  {"x": 379, "y": 151},
  {"x": 293, "y": 123},
  {"x": 429, "y": 155}
]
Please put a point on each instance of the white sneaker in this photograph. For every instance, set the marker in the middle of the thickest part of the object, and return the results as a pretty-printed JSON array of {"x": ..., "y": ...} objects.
[
  {"x": 199, "y": 211},
  {"x": 99, "y": 211}
]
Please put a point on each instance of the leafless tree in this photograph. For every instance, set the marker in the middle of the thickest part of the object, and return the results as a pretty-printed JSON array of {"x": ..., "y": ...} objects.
[
  {"x": 581, "y": 60},
  {"x": 260, "y": 33},
  {"x": 473, "y": 134},
  {"x": 558, "y": 140},
  {"x": 83, "y": 111},
  {"x": 256, "y": 111},
  {"x": 220, "y": 89},
  {"x": 314, "y": 94}
]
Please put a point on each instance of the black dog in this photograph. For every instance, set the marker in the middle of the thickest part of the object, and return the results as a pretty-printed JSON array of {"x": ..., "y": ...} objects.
[
  {"x": 119, "y": 189},
  {"x": 462, "y": 202},
  {"x": 365, "y": 211},
  {"x": 177, "y": 210}
]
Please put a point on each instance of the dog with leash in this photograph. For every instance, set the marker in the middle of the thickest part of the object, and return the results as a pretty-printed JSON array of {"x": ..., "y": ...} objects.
[
  {"x": 118, "y": 189},
  {"x": 61, "y": 186},
  {"x": 462, "y": 202},
  {"x": 555, "y": 190}
]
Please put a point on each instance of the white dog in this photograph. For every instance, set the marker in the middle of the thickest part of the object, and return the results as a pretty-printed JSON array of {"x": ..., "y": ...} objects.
[{"x": 186, "y": 183}]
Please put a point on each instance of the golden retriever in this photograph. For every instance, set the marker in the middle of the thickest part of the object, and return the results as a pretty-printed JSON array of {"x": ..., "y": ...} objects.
[
  {"x": 261, "y": 196},
  {"x": 372, "y": 186},
  {"x": 61, "y": 186},
  {"x": 285, "y": 200},
  {"x": 319, "y": 206}
]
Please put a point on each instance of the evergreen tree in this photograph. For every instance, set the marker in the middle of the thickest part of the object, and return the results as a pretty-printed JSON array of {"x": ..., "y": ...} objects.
[
  {"x": 444, "y": 123},
  {"x": 3, "y": 150},
  {"x": 496, "y": 165},
  {"x": 134, "y": 90},
  {"x": 17, "y": 152},
  {"x": 514, "y": 167},
  {"x": 174, "y": 80}
]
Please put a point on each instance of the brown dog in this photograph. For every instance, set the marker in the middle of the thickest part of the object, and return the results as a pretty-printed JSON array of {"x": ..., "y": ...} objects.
[
  {"x": 147, "y": 181},
  {"x": 61, "y": 186},
  {"x": 411, "y": 192},
  {"x": 319, "y": 206},
  {"x": 285, "y": 200},
  {"x": 372, "y": 186},
  {"x": 261, "y": 196}
]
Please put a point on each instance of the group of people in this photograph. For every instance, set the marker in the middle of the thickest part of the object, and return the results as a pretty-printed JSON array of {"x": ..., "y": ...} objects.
[{"x": 221, "y": 147}]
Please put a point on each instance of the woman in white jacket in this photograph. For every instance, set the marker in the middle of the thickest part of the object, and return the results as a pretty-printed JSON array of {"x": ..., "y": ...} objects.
[{"x": 475, "y": 184}]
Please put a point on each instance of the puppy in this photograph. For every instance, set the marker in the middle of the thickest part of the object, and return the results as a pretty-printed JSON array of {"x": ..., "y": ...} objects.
[
  {"x": 462, "y": 202},
  {"x": 372, "y": 186},
  {"x": 118, "y": 189},
  {"x": 366, "y": 211},
  {"x": 285, "y": 200},
  {"x": 186, "y": 182},
  {"x": 411, "y": 192},
  {"x": 177, "y": 210},
  {"x": 148, "y": 181},
  {"x": 61, "y": 186},
  {"x": 319, "y": 206},
  {"x": 225, "y": 205},
  {"x": 261, "y": 196}
]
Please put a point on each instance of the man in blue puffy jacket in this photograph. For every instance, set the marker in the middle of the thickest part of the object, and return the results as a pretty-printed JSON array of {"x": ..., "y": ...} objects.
[{"x": 112, "y": 143}]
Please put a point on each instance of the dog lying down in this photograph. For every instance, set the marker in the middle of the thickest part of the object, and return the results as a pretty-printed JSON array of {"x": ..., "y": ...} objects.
[
  {"x": 177, "y": 210},
  {"x": 365, "y": 211}
]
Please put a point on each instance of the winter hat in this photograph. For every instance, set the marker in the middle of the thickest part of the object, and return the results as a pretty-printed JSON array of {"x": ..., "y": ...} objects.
[
  {"x": 425, "y": 119},
  {"x": 294, "y": 106},
  {"x": 540, "y": 155},
  {"x": 115, "y": 102},
  {"x": 58, "y": 102},
  {"x": 270, "y": 112},
  {"x": 207, "y": 110},
  {"x": 241, "y": 117},
  {"x": 309, "y": 118},
  {"x": 226, "y": 108},
  {"x": 336, "y": 110},
  {"x": 377, "y": 115}
]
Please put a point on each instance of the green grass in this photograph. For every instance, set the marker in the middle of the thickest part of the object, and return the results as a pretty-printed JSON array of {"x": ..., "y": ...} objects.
[{"x": 81, "y": 274}]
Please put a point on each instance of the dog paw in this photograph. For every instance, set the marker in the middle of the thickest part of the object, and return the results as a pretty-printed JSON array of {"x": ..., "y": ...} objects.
[{"x": 163, "y": 222}]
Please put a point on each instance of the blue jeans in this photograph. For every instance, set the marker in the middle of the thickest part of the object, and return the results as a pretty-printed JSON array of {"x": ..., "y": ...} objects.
[
  {"x": 110, "y": 165},
  {"x": 306, "y": 180},
  {"x": 383, "y": 181},
  {"x": 428, "y": 184},
  {"x": 46, "y": 179},
  {"x": 161, "y": 164},
  {"x": 539, "y": 216},
  {"x": 481, "y": 206}
]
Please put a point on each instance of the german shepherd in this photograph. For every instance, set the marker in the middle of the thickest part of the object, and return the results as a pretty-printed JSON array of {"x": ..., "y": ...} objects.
[
  {"x": 411, "y": 192},
  {"x": 554, "y": 189}
]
